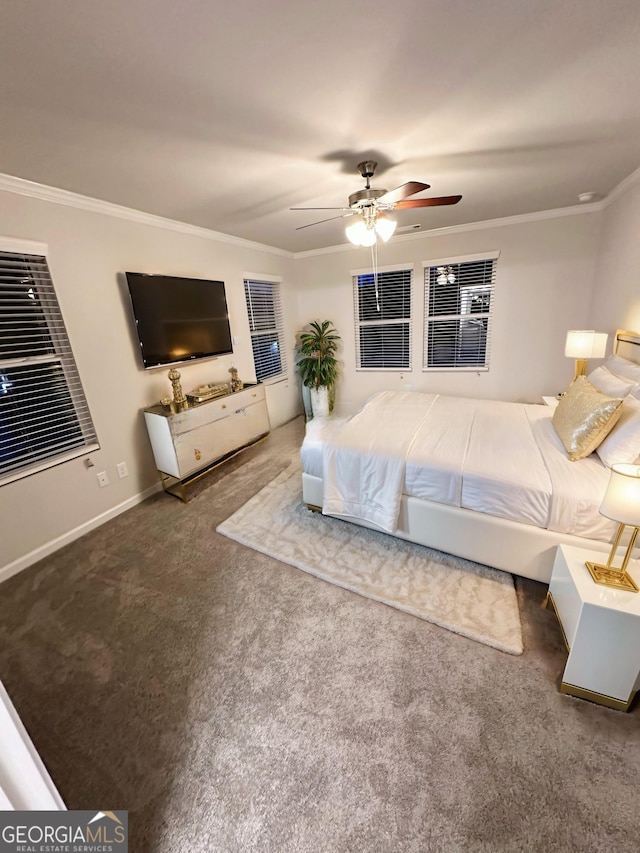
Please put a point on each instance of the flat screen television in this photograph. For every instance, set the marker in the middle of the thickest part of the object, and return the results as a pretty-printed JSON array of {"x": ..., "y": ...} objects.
[{"x": 179, "y": 319}]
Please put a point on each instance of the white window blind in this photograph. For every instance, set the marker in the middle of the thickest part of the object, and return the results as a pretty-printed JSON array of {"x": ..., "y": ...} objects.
[
  {"x": 458, "y": 305},
  {"x": 382, "y": 305},
  {"x": 266, "y": 323},
  {"x": 44, "y": 416}
]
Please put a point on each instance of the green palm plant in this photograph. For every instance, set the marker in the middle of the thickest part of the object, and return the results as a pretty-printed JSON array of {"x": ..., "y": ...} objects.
[{"x": 318, "y": 365}]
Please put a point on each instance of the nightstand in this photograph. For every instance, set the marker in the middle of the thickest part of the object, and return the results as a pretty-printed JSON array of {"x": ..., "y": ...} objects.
[
  {"x": 601, "y": 628},
  {"x": 552, "y": 402}
]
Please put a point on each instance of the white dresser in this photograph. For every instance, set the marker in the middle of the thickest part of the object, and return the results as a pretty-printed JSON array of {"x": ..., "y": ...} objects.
[{"x": 187, "y": 443}]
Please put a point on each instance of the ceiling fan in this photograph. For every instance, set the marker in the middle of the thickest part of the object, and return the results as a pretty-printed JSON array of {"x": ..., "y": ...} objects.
[{"x": 371, "y": 206}]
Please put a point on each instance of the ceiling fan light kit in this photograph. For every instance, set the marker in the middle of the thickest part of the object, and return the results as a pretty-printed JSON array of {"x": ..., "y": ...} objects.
[
  {"x": 365, "y": 231},
  {"x": 370, "y": 206}
]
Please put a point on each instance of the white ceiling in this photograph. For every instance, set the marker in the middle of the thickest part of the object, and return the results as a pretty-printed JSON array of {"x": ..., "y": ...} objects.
[{"x": 225, "y": 115}]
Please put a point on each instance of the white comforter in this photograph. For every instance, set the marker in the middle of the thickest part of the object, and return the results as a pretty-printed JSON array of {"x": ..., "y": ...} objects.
[{"x": 502, "y": 459}]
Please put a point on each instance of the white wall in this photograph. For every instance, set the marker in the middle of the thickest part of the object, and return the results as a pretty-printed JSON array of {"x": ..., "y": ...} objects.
[
  {"x": 616, "y": 295},
  {"x": 88, "y": 253},
  {"x": 544, "y": 282}
]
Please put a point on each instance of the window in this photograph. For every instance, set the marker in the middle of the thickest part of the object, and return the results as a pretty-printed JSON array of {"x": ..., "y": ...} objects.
[
  {"x": 382, "y": 304},
  {"x": 44, "y": 417},
  {"x": 458, "y": 305},
  {"x": 267, "y": 328}
]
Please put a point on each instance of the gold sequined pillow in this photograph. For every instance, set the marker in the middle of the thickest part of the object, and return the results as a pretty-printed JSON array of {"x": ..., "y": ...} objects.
[{"x": 584, "y": 417}]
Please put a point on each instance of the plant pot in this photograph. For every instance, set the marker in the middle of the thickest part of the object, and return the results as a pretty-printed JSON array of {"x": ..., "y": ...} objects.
[
  {"x": 306, "y": 402},
  {"x": 320, "y": 401}
]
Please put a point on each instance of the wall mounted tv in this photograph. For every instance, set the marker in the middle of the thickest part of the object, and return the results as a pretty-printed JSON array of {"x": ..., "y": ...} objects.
[{"x": 179, "y": 319}]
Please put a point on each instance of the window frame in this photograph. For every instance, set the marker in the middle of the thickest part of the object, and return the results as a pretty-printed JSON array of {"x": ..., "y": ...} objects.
[
  {"x": 47, "y": 318},
  {"x": 488, "y": 315},
  {"x": 359, "y": 324},
  {"x": 275, "y": 285}
]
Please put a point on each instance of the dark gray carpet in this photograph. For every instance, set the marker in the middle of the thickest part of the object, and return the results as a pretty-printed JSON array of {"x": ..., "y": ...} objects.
[{"x": 234, "y": 703}]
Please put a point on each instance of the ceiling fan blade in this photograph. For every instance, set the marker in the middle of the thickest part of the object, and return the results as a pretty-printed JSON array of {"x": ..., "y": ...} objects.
[
  {"x": 319, "y": 208},
  {"x": 427, "y": 202},
  {"x": 410, "y": 188},
  {"x": 320, "y": 221}
]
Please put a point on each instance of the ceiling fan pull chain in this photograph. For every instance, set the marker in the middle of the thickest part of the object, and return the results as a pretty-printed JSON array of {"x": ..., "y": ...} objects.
[{"x": 374, "y": 264}]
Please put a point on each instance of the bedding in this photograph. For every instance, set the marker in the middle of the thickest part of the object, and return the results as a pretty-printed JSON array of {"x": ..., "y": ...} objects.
[
  {"x": 622, "y": 445},
  {"x": 495, "y": 458},
  {"x": 583, "y": 417},
  {"x": 623, "y": 367},
  {"x": 609, "y": 383}
]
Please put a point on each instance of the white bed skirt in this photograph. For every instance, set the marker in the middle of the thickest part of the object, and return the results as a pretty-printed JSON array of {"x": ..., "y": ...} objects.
[{"x": 521, "y": 549}]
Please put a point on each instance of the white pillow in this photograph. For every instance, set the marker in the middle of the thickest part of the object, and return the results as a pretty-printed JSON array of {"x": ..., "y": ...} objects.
[
  {"x": 622, "y": 367},
  {"x": 623, "y": 442},
  {"x": 609, "y": 383}
]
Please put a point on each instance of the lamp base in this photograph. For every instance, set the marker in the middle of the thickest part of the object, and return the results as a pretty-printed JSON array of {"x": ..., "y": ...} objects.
[{"x": 611, "y": 577}]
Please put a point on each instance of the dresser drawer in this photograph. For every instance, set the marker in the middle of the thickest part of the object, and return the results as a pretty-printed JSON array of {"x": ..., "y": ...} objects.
[
  {"x": 197, "y": 448},
  {"x": 205, "y": 413}
]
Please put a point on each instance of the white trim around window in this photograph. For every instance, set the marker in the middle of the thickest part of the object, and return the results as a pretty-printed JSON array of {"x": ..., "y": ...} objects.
[
  {"x": 44, "y": 414},
  {"x": 459, "y": 297},
  {"x": 263, "y": 297},
  {"x": 382, "y": 304}
]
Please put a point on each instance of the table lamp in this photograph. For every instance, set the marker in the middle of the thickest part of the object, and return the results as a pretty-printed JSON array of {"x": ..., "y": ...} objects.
[
  {"x": 622, "y": 504},
  {"x": 584, "y": 344}
]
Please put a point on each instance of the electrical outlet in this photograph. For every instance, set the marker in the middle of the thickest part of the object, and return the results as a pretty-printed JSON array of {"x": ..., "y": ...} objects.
[
  {"x": 122, "y": 470},
  {"x": 103, "y": 480}
]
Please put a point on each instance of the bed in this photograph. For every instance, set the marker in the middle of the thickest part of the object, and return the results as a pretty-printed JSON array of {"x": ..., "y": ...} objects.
[{"x": 486, "y": 480}]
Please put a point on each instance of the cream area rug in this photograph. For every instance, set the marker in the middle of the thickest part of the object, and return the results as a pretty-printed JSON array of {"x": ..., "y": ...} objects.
[{"x": 467, "y": 598}]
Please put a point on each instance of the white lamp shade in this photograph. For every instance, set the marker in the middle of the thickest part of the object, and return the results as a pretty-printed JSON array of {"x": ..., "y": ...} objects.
[
  {"x": 385, "y": 227},
  {"x": 355, "y": 231},
  {"x": 622, "y": 499},
  {"x": 585, "y": 344},
  {"x": 359, "y": 234},
  {"x": 368, "y": 237}
]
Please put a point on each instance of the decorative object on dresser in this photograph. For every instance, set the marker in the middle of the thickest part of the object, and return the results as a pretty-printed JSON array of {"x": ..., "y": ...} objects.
[
  {"x": 584, "y": 344},
  {"x": 601, "y": 629},
  {"x": 622, "y": 504},
  {"x": 179, "y": 399},
  {"x": 318, "y": 365},
  {"x": 188, "y": 443},
  {"x": 208, "y": 392},
  {"x": 236, "y": 383}
]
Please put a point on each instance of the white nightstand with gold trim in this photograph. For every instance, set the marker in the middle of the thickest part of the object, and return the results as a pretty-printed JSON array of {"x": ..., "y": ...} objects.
[{"x": 601, "y": 628}]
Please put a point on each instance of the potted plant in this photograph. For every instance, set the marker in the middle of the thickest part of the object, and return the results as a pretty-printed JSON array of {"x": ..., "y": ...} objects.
[{"x": 318, "y": 365}]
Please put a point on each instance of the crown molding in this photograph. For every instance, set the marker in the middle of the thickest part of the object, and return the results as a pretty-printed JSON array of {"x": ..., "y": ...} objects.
[
  {"x": 20, "y": 186},
  {"x": 624, "y": 185},
  {"x": 31, "y": 189},
  {"x": 518, "y": 219}
]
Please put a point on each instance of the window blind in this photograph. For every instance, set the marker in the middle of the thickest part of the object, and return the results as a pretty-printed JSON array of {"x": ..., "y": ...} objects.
[
  {"x": 458, "y": 304},
  {"x": 266, "y": 324},
  {"x": 44, "y": 416},
  {"x": 382, "y": 305}
]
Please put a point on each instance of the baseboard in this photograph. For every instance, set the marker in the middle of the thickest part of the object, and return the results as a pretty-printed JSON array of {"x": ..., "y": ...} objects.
[{"x": 32, "y": 557}]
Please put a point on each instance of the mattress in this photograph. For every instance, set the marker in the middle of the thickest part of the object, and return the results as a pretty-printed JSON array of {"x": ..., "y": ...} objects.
[{"x": 497, "y": 458}]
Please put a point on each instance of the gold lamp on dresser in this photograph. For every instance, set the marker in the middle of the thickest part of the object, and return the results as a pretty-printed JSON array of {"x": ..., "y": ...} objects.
[
  {"x": 622, "y": 504},
  {"x": 582, "y": 344}
]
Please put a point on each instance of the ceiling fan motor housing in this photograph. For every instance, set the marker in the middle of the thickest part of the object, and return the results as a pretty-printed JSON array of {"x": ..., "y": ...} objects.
[{"x": 365, "y": 197}]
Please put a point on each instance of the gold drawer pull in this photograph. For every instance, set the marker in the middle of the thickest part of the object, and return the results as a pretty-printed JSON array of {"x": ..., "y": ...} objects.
[
  {"x": 224, "y": 406},
  {"x": 197, "y": 454},
  {"x": 254, "y": 395}
]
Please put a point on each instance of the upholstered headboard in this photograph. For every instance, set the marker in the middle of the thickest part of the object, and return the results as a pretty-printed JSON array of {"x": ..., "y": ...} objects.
[{"x": 627, "y": 345}]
